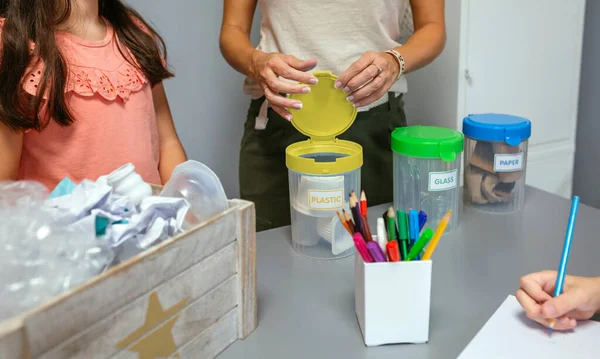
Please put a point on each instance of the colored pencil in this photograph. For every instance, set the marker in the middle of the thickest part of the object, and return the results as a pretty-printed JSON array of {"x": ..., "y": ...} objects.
[
  {"x": 363, "y": 203},
  {"x": 367, "y": 229},
  {"x": 385, "y": 220},
  {"x": 364, "y": 224},
  {"x": 356, "y": 215},
  {"x": 391, "y": 224},
  {"x": 437, "y": 236},
  {"x": 344, "y": 223},
  {"x": 564, "y": 259},
  {"x": 354, "y": 198},
  {"x": 349, "y": 220},
  {"x": 364, "y": 211}
]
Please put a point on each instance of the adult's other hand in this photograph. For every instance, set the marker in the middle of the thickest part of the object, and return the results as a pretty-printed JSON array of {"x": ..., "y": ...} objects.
[{"x": 369, "y": 77}]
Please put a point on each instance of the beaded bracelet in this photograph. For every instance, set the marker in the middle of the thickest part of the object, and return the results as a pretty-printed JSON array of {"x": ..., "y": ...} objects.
[{"x": 400, "y": 59}]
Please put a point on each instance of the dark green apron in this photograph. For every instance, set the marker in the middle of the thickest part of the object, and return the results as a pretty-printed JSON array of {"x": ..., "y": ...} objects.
[{"x": 264, "y": 176}]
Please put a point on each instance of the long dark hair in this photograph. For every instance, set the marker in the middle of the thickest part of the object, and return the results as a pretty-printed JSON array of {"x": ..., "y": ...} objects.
[{"x": 35, "y": 21}]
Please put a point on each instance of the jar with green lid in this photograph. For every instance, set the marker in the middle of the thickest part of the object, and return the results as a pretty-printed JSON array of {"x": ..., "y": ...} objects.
[{"x": 427, "y": 164}]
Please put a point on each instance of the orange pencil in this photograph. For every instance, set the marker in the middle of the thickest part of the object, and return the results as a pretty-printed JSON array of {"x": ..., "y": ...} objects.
[
  {"x": 344, "y": 223},
  {"x": 349, "y": 221}
]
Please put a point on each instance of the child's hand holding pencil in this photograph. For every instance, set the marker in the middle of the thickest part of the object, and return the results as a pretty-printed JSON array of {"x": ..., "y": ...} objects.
[
  {"x": 580, "y": 299},
  {"x": 555, "y": 299}
]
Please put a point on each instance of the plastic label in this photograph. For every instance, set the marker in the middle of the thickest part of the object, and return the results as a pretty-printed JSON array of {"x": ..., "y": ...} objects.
[
  {"x": 442, "y": 181},
  {"x": 508, "y": 163},
  {"x": 326, "y": 200}
]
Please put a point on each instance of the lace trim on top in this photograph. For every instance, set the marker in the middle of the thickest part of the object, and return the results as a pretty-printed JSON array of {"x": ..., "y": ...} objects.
[{"x": 87, "y": 81}]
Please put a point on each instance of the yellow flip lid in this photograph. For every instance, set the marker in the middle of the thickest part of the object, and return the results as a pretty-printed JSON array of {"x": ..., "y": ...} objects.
[{"x": 325, "y": 114}]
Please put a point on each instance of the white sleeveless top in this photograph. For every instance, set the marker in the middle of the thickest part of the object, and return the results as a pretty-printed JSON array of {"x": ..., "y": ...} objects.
[{"x": 335, "y": 32}]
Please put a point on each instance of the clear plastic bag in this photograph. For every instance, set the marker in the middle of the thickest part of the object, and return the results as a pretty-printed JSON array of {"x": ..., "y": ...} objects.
[
  {"x": 40, "y": 258},
  {"x": 22, "y": 194}
]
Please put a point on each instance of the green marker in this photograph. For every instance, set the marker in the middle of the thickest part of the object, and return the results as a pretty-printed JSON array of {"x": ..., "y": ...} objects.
[
  {"x": 403, "y": 229},
  {"x": 416, "y": 250}
]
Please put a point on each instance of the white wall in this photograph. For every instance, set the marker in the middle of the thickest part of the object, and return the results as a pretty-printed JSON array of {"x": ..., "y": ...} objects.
[
  {"x": 206, "y": 95},
  {"x": 587, "y": 167}
]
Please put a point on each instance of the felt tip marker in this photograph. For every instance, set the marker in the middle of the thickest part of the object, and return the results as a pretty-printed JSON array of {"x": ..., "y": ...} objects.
[
  {"x": 392, "y": 251},
  {"x": 376, "y": 251},
  {"x": 381, "y": 233},
  {"x": 404, "y": 233},
  {"x": 362, "y": 249},
  {"x": 416, "y": 250}
]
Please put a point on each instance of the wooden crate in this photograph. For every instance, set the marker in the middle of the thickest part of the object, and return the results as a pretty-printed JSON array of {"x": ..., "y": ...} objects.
[{"x": 189, "y": 297}]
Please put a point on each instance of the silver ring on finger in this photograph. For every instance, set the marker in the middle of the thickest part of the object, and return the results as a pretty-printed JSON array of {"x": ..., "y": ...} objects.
[{"x": 379, "y": 68}]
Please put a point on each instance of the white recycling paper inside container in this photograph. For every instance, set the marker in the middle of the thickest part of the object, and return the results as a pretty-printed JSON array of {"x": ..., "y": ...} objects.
[{"x": 309, "y": 204}]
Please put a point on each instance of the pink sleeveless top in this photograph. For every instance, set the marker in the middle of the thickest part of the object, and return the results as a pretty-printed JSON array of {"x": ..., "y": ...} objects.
[{"x": 115, "y": 121}]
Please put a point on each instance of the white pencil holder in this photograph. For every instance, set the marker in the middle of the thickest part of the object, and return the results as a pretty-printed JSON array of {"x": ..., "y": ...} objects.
[{"x": 392, "y": 301}]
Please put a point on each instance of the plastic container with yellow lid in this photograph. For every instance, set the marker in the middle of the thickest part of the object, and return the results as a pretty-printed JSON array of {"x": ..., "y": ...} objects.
[{"x": 323, "y": 171}]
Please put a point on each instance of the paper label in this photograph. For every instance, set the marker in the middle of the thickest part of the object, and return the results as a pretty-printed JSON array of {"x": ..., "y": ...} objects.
[
  {"x": 326, "y": 200},
  {"x": 442, "y": 181},
  {"x": 508, "y": 163}
]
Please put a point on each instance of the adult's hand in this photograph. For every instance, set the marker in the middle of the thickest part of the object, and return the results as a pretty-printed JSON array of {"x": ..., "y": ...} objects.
[
  {"x": 579, "y": 301},
  {"x": 269, "y": 69},
  {"x": 369, "y": 78}
]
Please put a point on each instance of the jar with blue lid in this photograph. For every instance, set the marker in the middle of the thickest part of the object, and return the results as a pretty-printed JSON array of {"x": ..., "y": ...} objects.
[{"x": 495, "y": 158}]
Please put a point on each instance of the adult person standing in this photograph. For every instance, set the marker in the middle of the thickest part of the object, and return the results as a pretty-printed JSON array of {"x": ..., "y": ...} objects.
[{"x": 357, "y": 40}]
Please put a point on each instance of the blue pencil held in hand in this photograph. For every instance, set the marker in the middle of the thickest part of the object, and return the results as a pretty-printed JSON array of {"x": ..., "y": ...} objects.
[{"x": 564, "y": 260}]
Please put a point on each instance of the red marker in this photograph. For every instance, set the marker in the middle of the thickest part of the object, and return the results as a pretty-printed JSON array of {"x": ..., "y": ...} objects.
[{"x": 392, "y": 251}]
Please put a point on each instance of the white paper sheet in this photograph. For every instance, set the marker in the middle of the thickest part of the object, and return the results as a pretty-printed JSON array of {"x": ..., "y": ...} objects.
[{"x": 510, "y": 334}]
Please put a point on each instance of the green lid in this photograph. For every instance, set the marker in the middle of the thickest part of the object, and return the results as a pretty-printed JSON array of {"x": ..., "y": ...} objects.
[{"x": 428, "y": 142}]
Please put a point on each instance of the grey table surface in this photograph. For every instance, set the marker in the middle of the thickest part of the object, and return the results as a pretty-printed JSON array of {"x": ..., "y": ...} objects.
[{"x": 306, "y": 307}]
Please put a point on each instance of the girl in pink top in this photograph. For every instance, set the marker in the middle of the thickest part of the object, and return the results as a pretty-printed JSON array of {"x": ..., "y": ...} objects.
[{"x": 81, "y": 93}]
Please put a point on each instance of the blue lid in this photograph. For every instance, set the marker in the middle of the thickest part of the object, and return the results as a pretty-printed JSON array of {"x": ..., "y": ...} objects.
[{"x": 497, "y": 128}]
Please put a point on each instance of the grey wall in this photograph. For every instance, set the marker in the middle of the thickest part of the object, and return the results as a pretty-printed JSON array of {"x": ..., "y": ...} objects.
[
  {"x": 428, "y": 95},
  {"x": 206, "y": 95},
  {"x": 587, "y": 160}
]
